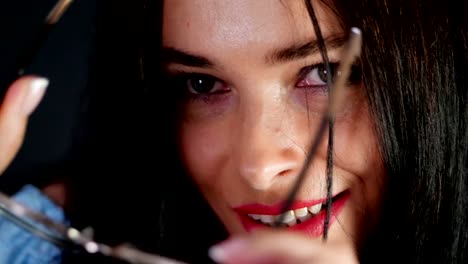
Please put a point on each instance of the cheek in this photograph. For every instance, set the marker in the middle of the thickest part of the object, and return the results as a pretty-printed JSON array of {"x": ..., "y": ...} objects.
[
  {"x": 358, "y": 166},
  {"x": 356, "y": 145},
  {"x": 203, "y": 149},
  {"x": 357, "y": 152}
]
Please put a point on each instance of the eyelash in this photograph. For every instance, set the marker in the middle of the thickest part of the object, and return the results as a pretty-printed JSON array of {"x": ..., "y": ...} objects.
[
  {"x": 314, "y": 70},
  {"x": 182, "y": 79}
]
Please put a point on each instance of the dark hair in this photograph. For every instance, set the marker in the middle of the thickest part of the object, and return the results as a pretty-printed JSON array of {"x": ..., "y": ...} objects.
[{"x": 414, "y": 58}]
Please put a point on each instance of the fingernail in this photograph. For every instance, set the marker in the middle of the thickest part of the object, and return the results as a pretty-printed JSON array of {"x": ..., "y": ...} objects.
[
  {"x": 228, "y": 249},
  {"x": 34, "y": 95}
]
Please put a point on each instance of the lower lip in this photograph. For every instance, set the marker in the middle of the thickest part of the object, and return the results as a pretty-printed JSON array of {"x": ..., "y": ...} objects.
[{"x": 313, "y": 226}]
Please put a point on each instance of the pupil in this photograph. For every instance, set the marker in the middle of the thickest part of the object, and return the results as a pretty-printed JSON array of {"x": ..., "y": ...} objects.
[
  {"x": 322, "y": 71},
  {"x": 202, "y": 85}
]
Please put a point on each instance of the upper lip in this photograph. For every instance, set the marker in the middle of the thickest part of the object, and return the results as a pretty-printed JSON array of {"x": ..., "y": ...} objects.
[{"x": 275, "y": 209}]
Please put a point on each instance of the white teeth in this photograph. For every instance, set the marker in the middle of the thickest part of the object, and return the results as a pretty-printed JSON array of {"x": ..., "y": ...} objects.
[
  {"x": 315, "y": 208},
  {"x": 267, "y": 219},
  {"x": 289, "y": 218},
  {"x": 255, "y": 216},
  {"x": 304, "y": 218},
  {"x": 301, "y": 212}
]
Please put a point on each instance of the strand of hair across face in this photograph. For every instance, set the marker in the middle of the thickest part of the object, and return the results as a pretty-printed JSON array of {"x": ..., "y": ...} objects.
[
  {"x": 326, "y": 120},
  {"x": 323, "y": 53}
]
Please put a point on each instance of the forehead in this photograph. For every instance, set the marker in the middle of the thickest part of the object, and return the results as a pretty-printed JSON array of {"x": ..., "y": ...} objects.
[{"x": 220, "y": 25}]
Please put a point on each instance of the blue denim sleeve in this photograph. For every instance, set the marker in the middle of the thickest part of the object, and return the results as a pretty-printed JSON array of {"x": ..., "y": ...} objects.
[{"x": 18, "y": 246}]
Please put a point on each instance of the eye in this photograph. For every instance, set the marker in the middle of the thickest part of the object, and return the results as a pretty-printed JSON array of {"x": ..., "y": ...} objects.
[
  {"x": 315, "y": 76},
  {"x": 204, "y": 85}
]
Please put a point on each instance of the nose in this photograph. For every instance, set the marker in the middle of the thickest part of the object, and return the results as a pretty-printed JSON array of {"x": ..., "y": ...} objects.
[{"x": 267, "y": 153}]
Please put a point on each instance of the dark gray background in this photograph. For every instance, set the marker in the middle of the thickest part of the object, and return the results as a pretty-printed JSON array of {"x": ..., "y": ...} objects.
[{"x": 65, "y": 59}]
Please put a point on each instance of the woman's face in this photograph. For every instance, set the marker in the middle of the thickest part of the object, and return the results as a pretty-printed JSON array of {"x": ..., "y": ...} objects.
[{"x": 253, "y": 88}]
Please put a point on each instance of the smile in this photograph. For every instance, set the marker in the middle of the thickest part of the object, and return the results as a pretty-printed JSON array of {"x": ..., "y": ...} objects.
[
  {"x": 292, "y": 217},
  {"x": 305, "y": 216}
]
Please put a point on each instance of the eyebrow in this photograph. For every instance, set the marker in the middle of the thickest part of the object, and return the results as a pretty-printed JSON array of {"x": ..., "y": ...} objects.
[
  {"x": 299, "y": 51},
  {"x": 173, "y": 55},
  {"x": 290, "y": 53}
]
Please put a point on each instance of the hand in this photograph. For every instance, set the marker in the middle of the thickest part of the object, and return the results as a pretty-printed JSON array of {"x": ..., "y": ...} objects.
[
  {"x": 278, "y": 247},
  {"x": 21, "y": 99}
]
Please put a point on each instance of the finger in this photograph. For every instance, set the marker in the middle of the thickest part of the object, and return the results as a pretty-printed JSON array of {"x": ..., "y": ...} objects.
[
  {"x": 21, "y": 99},
  {"x": 266, "y": 247},
  {"x": 280, "y": 247}
]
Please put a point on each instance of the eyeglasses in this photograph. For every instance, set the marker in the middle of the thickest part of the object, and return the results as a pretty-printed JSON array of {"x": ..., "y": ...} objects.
[
  {"x": 351, "y": 52},
  {"x": 42, "y": 226},
  {"x": 64, "y": 236}
]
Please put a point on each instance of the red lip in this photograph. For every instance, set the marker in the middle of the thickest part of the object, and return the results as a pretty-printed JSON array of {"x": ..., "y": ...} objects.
[{"x": 312, "y": 226}]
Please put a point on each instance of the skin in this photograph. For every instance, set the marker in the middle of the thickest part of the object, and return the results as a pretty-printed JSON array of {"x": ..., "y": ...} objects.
[
  {"x": 245, "y": 140},
  {"x": 20, "y": 100},
  {"x": 13, "y": 121},
  {"x": 277, "y": 247}
]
